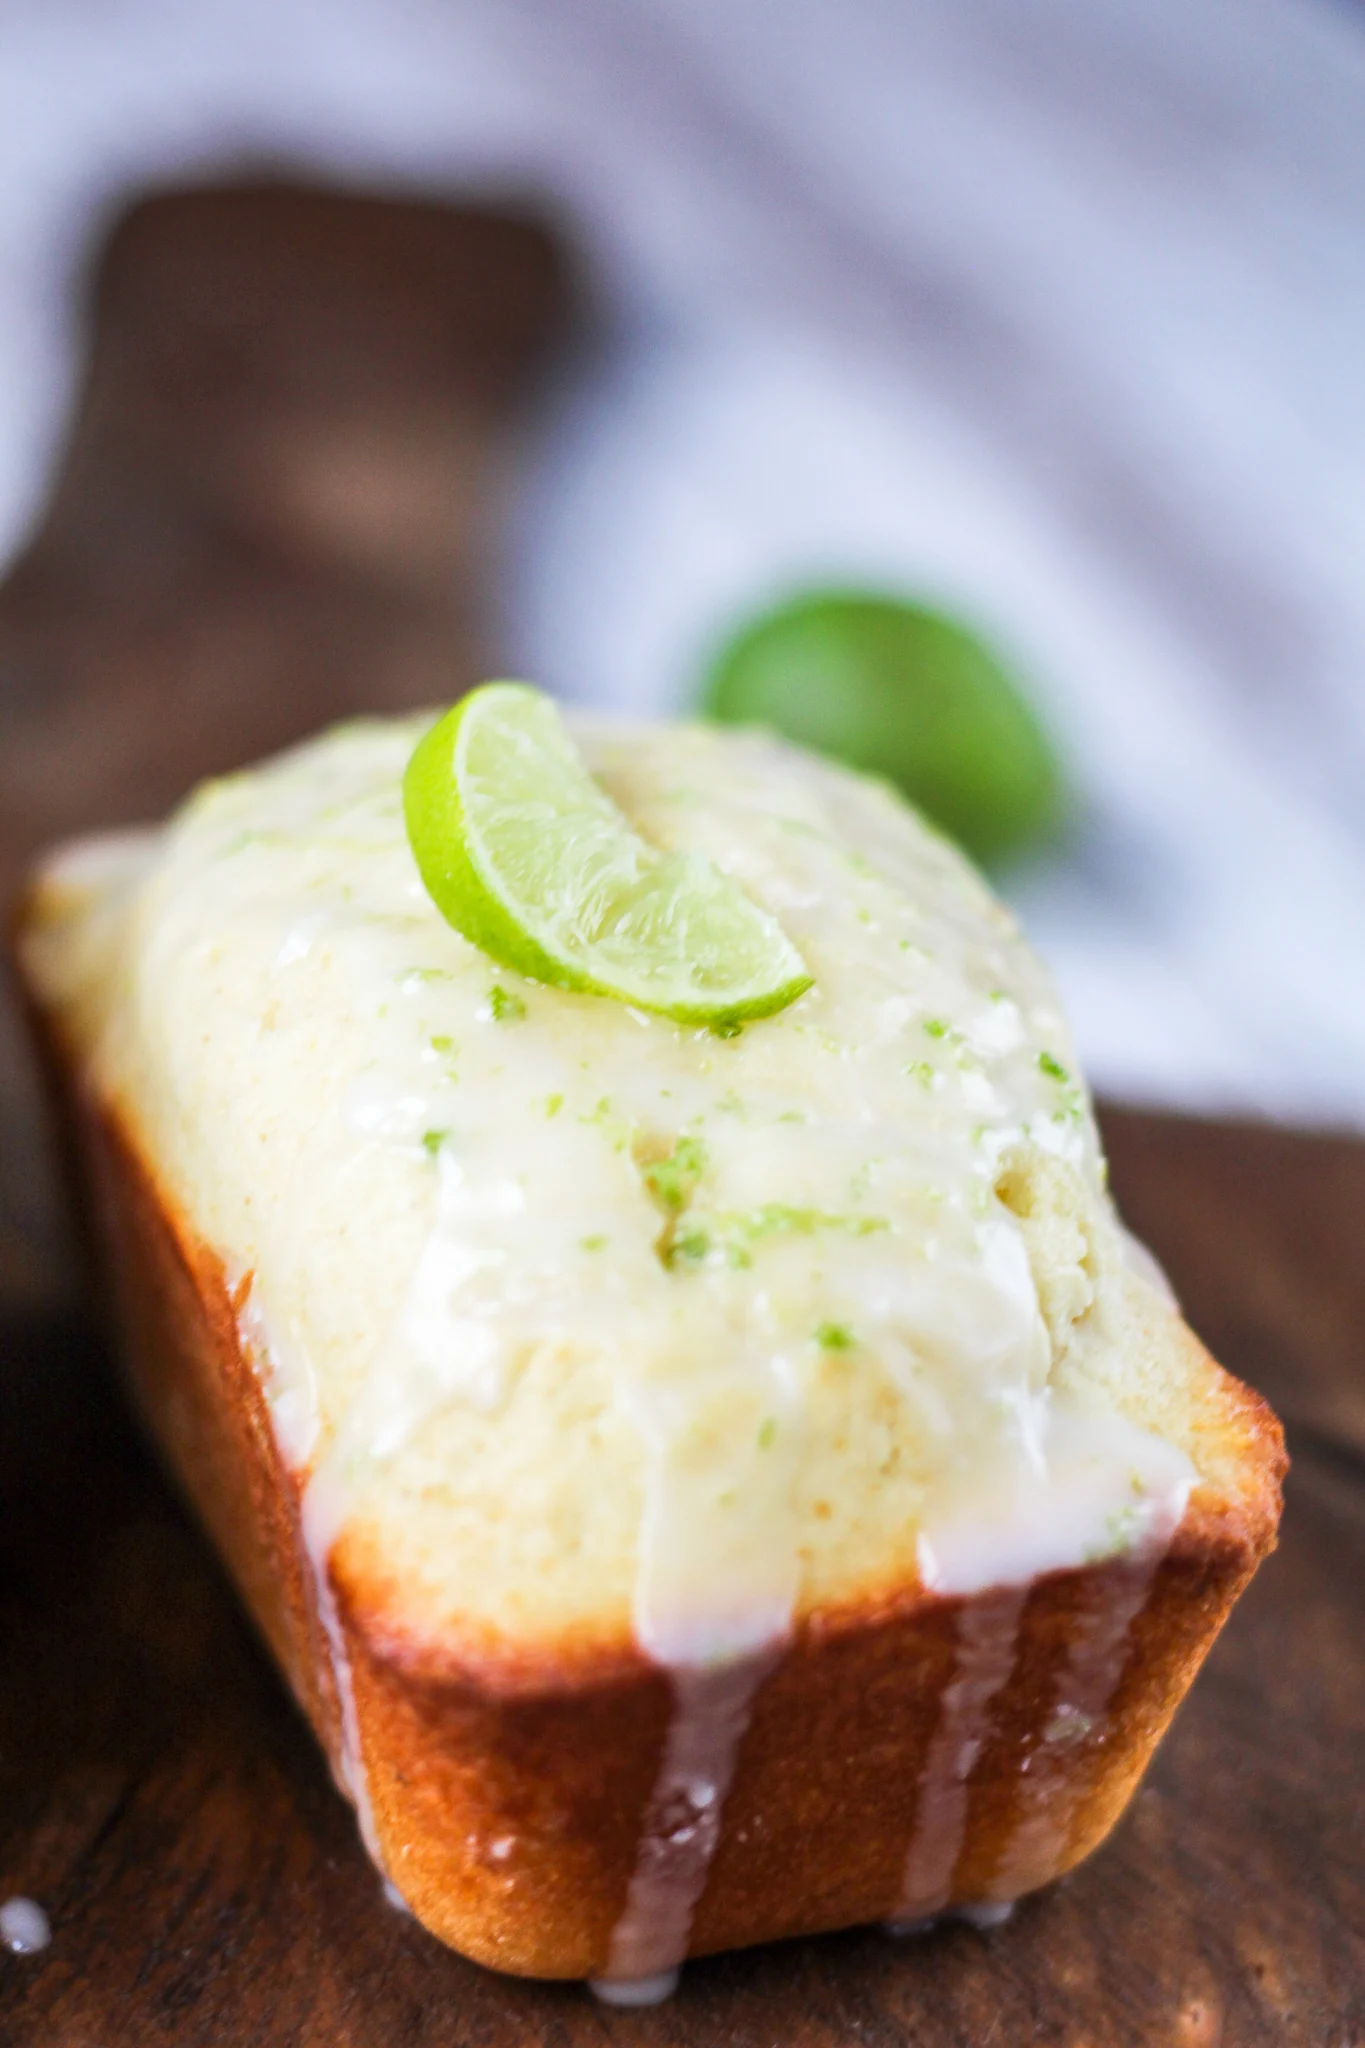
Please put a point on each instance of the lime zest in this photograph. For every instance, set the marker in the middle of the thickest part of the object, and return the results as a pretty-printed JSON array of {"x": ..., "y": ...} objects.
[
  {"x": 688, "y": 1246},
  {"x": 671, "y": 1180},
  {"x": 530, "y": 860},
  {"x": 733, "y": 1235},
  {"x": 503, "y": 1006}
]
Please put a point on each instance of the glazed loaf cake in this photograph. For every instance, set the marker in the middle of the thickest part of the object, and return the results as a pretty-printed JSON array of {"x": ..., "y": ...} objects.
[{"x": 701, "y": 1488}]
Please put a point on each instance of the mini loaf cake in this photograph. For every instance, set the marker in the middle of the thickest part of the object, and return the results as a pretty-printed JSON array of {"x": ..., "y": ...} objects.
[{"x": 702, "y": 1486}]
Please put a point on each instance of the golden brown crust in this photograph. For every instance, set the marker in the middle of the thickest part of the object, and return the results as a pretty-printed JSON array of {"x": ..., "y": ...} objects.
[{"x": 509, "y": 1799}]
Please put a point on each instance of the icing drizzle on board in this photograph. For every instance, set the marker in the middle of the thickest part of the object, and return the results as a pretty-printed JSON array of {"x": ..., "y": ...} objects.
[{"x": 830, "y": 1301}]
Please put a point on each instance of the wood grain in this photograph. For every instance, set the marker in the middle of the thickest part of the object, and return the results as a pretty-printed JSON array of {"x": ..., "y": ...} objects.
[{"x": 158, "y": 1792}]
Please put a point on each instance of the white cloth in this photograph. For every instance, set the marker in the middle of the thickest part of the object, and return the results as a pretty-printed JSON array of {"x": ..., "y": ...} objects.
[{"x": 1053, "y": 309}]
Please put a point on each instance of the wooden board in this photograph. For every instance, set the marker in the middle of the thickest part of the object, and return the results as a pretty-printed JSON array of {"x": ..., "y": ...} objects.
[{"x": 158, "y": 1792}]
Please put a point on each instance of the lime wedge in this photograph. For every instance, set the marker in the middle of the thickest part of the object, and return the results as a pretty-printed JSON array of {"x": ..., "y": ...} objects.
[{"x": 531, "y": 860}]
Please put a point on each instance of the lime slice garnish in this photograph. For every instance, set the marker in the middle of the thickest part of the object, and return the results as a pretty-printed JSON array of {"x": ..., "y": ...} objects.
[
  {"x": 531, "y": 860},
  {"x": 906, "y": 692}
]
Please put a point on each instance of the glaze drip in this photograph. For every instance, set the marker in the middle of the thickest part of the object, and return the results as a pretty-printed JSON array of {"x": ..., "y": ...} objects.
[
  {"x": 323, "y": 1512},
  {"x": 24, "y": 1927},
  {"x": 1096, "y": 1659},
  {"x": 682, "y": 1825},
  {"x": 988, "y": 1632}
]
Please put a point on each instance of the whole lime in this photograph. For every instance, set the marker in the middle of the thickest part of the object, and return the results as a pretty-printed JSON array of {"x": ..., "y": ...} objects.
[{"x": 902, "y": 691}]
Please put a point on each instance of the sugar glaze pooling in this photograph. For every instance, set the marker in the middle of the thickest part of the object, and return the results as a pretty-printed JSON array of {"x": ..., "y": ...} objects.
[
  {"x": 24, "y": 1927},
  {"x": 726, "y": 1232}
]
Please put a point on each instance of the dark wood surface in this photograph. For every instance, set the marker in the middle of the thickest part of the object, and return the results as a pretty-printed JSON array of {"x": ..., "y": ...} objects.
[{"x": 159, "y": 1795}]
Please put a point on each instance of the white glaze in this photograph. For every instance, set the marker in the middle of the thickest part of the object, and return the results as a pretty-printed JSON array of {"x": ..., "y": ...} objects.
[
  {"x": 1055, "y": 1509},
  {"x": 1096, "y": 1658},
  {"x": 983, "y": 1914},
  {"x": 717, "y": 1653},
  {"x": 1090, "y": 1485},
  {"x": 24, "y": 1927},
  {"x": 682, "y": 1827},
  {"x": 324, "y": 1509},
  {"x": 434, "y": 1204},
  {"x": 988, "y": 1631},
  {"x": 986, "y": 1913},
  {"x": 632, "y": 1991},
  {"x": 281, "y": 1367},
  {"x": 291, "y": 1398}
]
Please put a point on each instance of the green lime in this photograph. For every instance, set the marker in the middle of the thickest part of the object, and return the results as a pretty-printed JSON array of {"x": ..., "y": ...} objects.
[
  {"x": 900, "y": 691},
  {"x": 530, "y": 859}
]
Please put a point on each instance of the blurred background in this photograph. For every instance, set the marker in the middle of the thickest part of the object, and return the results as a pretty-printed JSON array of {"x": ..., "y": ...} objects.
[{"x": 1047, "y": 312}]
